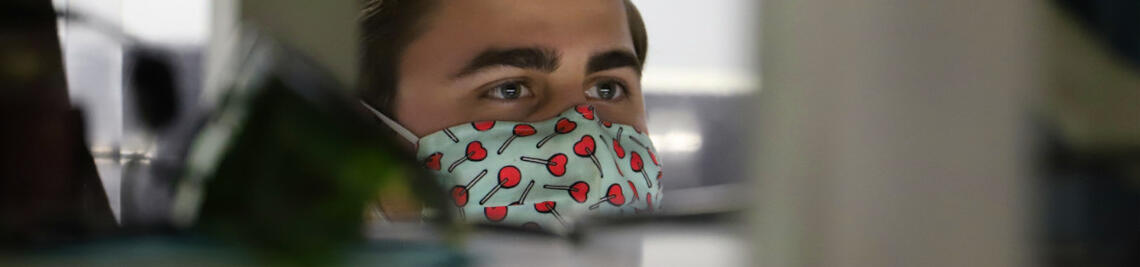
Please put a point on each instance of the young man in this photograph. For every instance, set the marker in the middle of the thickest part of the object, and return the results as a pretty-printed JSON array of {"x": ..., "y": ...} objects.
[{"x": 433, "y": 64}]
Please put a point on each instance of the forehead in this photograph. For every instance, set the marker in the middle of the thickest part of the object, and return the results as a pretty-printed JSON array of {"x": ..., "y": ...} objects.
[{"x": 461, "y": 28}]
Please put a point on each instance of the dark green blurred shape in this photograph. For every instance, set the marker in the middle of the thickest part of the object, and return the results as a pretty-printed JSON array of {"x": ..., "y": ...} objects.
[{"x": 288, "y": 163}]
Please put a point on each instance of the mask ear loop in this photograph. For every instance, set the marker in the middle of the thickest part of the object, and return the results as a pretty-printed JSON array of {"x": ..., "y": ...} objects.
[{"x": 403, "y": 132}]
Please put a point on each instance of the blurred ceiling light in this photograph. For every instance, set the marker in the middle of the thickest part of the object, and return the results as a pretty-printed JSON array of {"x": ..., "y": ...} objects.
[
  {"x": 173, "y": 22},
  {"x": 677, "y": 141},
  {"x": 686, "y": 81}
]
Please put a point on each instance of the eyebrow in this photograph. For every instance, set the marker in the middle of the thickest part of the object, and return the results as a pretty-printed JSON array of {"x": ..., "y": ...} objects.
[
  {"x": 536, "y": 58},
  {"x": 613, "y": 59}
]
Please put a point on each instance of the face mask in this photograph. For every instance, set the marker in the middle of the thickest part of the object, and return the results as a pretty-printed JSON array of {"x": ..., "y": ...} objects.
[{"x": 543, "y": 175}]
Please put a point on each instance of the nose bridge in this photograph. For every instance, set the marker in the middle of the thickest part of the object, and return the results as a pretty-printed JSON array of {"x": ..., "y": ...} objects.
[{"x": 562, "y": 97}]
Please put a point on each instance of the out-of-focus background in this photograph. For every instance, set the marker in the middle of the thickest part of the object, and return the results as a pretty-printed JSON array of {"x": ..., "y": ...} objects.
[
  {"x": 699, "y": 79},
  {"x": 794, "y": 133}
]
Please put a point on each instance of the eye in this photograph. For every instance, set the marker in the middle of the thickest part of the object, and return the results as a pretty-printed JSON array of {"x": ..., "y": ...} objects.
[
  {"x": 606, "y": 90},
  {"x": 509, "y": 91}
]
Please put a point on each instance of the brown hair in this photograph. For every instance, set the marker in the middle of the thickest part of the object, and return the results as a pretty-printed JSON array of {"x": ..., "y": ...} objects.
[{"x": 388, "y": 26}]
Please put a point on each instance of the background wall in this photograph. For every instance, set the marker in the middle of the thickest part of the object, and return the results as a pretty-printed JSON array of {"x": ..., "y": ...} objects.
[{"x": 895, "y": 133}]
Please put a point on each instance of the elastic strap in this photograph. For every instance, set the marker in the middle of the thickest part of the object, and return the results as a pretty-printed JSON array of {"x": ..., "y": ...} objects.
[{"x": 403, "y": 132}]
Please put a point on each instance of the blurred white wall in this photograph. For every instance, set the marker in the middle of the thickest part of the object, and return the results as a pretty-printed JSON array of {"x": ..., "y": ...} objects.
[
  {"x": 700, "y": 47},
  {"x": 93, "y": 61}
]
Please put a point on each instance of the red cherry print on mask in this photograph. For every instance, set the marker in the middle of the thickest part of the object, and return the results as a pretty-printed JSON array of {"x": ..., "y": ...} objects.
[
  {"x": 635, "y": 162},
  {"x": 649, "y": 201},
  {"x": 608, "y": 124},
  {"x": 459, "y": 195},
  {"x": 616, "y": 165},
  {"x": 521, "y": 130},
  {"x": 648, "y": 205},
  {"x": 556, "y": 165},
  {"x": 432, "y": 161},
  {"x": 578, "y": 190},
  {"x": 509, "y": 177},
  {"x": 587, "y": 111},
  {"x": 459, "y": 192},
  {"x": 475, "y": 152},
  {"x": 617, "y": 145},
  {"x": 483, "y": 125},
  {"x": 495, "y": 214},
  {"x": 614, "y": 196},
  {"x": 563, "y": 126},
  {"x": 637, "y": 165},
  {"x": 548, "y": 207},
  {"x": 585, "y": 147},
  {"x": 652, "y": 156}
]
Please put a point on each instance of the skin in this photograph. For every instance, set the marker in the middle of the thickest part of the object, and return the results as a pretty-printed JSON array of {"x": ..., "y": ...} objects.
[{"x": 430, "y": 97}]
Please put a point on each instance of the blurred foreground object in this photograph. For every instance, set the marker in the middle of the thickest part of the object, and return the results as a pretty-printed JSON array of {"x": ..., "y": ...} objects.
[
  {"x": 49, "y": 190},
  {"x": 287, "y": 163},
  {"x": 1090, "y": 124},
  {"x": 1114, "y": 22},
  {"x": 892, "y": 133},
  {"x": 283, "y": 168},
  {"x": 1094, "y": 81}
]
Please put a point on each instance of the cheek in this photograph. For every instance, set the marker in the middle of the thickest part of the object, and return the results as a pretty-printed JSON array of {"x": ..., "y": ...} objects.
[{"x": 424, "y": 110}]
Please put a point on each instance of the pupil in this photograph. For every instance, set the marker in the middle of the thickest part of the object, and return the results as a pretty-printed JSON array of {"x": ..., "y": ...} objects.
[
  {"x": 510, "y": 91},
  {"x": 606, "y": 91}
]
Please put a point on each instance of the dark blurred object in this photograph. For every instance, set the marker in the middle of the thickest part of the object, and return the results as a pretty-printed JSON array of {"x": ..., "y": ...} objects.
[
  {"x": 1090, "y": 151},
  {"x": 182, "y": 251},
  {"x": 1117, "y": 21},
  {"x": 49, "y": 189},
  {"x": 160, "y": 116},
  {"x": 287, "y": 163},
  {"x": 153, "y": 83},
  {"x": 1092, "y": 207}
]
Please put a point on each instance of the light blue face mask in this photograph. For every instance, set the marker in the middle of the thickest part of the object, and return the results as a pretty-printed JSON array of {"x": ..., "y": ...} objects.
[{"x": 544, "y": 174}]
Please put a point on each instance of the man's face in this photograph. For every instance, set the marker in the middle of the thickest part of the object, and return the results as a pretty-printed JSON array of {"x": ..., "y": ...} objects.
[{"x": 519, "y": 60}]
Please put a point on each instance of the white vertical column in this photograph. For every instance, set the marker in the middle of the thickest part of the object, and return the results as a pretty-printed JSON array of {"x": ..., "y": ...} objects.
[
  {"x": 893, "y": 133},
  {"x": 94, "y": 64}
]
